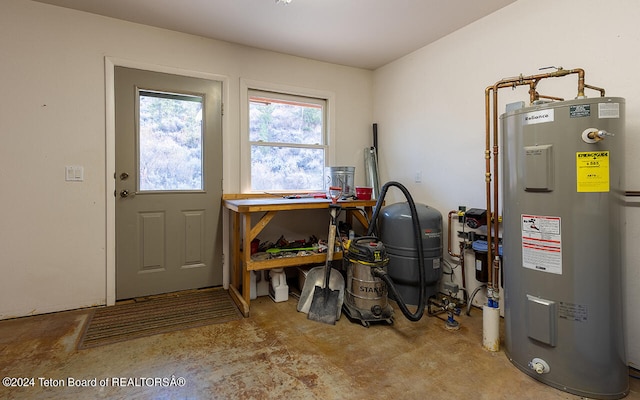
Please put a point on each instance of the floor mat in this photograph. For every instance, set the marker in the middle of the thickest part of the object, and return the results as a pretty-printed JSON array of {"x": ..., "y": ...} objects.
[{"x": 161, "y": 314}]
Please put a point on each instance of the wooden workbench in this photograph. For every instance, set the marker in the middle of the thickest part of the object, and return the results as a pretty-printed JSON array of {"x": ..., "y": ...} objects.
[{"x": 243, "y": 232}]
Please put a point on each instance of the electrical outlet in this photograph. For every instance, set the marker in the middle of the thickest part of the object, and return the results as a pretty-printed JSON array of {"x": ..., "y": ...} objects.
[
  {"x": 418, "y": 177},
  {"x": 74, "y": 173}
]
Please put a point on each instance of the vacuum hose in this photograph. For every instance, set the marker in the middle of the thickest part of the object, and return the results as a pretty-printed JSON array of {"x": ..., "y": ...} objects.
[{"x": 381, "y": 273}]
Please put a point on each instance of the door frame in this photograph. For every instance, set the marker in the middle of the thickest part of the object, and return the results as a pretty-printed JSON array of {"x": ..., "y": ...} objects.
[{"x": 110, "y": 161}]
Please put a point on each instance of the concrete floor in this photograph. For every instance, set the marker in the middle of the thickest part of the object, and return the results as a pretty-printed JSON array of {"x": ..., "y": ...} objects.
[{"x": 275, "y": 354}]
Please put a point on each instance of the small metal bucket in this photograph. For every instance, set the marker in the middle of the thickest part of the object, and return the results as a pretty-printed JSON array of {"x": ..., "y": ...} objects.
[{"x": 342, "y": 177}]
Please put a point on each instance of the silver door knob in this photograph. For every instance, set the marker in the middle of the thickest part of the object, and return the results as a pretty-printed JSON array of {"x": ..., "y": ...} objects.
[{"x": 124, "y": 193}]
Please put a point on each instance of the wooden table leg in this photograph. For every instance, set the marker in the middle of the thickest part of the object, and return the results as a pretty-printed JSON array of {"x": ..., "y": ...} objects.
[
  {"x": 236, "y": 265},
  {"x": 237, "y": 298},
  {"x": 246, "y": 258},
  {"x": 235, "y": 251}
]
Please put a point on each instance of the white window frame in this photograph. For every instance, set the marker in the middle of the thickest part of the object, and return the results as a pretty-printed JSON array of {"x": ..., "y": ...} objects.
[{"x": 245, "y": 145}]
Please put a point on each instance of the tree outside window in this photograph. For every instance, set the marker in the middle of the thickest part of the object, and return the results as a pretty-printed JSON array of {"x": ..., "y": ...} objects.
[
  {"x": 287, "y": 137},
  {"x": 170, "y": 142}
]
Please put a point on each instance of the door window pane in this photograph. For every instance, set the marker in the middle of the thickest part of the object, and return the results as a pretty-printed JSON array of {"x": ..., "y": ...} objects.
[{"x": 170, "y": 142}]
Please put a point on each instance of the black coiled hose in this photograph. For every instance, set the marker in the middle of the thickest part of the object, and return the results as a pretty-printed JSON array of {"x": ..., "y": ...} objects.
[{"x": 381, "y": 273}]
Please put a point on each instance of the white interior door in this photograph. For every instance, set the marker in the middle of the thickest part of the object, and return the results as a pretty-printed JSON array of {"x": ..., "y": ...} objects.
[{"x": 168, "y": 182}]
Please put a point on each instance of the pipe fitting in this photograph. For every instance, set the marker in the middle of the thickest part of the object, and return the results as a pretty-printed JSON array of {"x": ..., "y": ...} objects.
[
  {"x": 594, "y": 135},
  {"x": 378, "y": 272}
]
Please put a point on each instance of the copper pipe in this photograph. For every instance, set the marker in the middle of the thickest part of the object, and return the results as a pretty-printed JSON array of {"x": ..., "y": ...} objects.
[
  {"x": 494, "y": 213},
  {"x": 601, "y": 90},
  {"x": 580, "y": 72},
  {"x": 533, "y": 93},
  {"x": 541, "y": 96},
  {"x": 487, "y": 156}
]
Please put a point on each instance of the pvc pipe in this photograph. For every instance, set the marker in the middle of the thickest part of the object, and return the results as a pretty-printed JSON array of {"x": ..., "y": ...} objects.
[{"x": 491, "y": 328}]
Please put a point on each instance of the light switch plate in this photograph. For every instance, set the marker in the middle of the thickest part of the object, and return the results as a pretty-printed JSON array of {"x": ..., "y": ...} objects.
[{"x": 74, "y": 173}]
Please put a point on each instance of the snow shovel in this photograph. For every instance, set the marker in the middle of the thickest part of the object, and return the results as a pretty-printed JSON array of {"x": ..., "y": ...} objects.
[
  {"x": 315, "y": 277},
  {"x": 325, "y": 304}
]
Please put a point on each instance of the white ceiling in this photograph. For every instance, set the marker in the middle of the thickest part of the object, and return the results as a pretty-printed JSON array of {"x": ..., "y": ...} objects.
[{"x": 358, "y": 33}]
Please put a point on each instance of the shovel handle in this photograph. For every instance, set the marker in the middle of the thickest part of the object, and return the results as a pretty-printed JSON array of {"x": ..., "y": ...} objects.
[{"x": 330, "y": 246}]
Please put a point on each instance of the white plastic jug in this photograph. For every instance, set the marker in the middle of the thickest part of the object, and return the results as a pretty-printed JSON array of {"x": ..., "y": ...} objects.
[{"x": 278, "y": 289}]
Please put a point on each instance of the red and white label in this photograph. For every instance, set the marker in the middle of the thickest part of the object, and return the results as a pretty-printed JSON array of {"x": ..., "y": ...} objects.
[{"x": 542, "y": 243}]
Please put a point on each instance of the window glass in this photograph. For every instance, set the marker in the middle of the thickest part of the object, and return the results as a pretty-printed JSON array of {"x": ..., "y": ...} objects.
[
  {"x": 169, "y": 142},
  {"x": 288, "y": 143}
]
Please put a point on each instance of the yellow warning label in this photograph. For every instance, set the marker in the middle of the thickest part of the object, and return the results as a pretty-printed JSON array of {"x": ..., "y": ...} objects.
[{"x": 592, "y": 171}]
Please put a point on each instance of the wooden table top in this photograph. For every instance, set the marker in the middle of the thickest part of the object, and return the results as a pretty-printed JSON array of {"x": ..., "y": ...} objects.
[{"x": 279, "y": 204}]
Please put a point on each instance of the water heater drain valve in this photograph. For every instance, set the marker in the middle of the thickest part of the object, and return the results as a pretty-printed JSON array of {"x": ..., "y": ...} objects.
[{"x": 539, "y": 365}]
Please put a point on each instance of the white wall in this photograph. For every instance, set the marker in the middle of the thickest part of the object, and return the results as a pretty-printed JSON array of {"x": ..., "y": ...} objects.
[
  {"x": 53, "y": 234},
  {"x": 429, "y": 105}
]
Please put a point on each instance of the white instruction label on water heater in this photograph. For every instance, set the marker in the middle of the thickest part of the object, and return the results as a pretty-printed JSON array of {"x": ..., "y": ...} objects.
[{"x": 541, "y": 243}]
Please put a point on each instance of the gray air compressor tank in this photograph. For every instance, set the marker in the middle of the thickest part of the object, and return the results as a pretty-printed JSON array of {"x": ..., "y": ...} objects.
[
  {"x": 397, "y": 234},
  {"x": 562, "y": 185}
]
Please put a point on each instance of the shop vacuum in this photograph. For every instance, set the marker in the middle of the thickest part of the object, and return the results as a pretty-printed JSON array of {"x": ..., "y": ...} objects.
[{"x": 369, "y": 283}]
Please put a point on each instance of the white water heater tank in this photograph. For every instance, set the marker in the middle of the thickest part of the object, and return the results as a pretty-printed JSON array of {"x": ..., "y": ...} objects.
[{"x": 562, "y": 226}]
